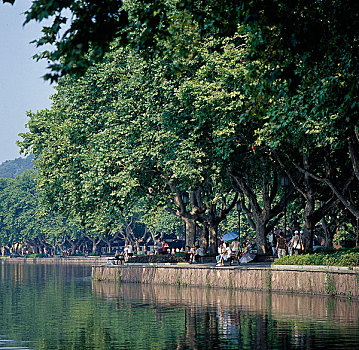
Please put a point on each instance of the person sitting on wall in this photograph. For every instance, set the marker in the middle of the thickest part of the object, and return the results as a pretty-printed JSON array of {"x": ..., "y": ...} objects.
[
  {"x": 128, "y": 251},
  {"x": 219, "y": 257},
  {"x": 235, "y": 248},
  {"x": 119, "y": 258},
  {"x": 198, "y": 254},
  {"x": 188, "y": 253},
  {"x": 244, "y": 249},
  {"x": 192, "y": 254},
  {"x": 227, "y": 254}
]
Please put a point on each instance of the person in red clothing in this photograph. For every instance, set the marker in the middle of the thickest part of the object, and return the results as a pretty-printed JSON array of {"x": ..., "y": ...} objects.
[{"x": 165, "y": 247}]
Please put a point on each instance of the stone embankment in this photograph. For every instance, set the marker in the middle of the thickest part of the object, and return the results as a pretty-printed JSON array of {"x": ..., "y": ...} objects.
[
  {"x": 90, "y": 260},
  {"x": 318, "y": 280}
]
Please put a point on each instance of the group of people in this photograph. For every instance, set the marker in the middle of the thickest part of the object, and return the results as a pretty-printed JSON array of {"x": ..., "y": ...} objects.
[
  {"x": 281, "y": 245},
  {"x": 226, "y": 251},
  {"x": 161, "y": 247},
  {"x": 224, "y": 254},
  {"x": 232, "y": 251},
  {"x": 125, "y": 254},
  {"x": 194, "y": 254}
]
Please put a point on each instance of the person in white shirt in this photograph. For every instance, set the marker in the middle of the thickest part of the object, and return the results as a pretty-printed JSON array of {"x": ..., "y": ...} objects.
[
  {"x": 192, "y": 254},
  {"x": 198, "y": 254},
  {"x": 220, "y": 253},
  {"x": 225, "y": 255},
  {"x": 296, "y": 243},
  {"x": 130, "y": 249},
  {"x": 235, "y": 247}
]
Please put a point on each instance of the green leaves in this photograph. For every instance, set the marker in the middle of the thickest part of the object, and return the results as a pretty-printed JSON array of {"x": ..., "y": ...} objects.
[
  {"x": 23, "y": 219},
  {"x": 202, "y": 106}
]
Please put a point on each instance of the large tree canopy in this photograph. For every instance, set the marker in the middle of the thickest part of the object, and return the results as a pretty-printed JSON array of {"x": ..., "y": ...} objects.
[
  {"x": 81, "y": 31},
  {"x": 211, "y": 97},
  {"x": 125, "y": 130}
]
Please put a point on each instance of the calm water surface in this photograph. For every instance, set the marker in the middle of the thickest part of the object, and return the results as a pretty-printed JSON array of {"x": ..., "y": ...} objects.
[{"x": 59, "y": 307}]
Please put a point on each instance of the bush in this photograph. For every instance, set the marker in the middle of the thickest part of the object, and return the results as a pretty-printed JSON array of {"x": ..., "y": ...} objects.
[
  {"x": 156, "y": 259},
  {"x": 35, "y": 255},
  {"x": 340, "y": 257},
  {"x": 349, "y": 259}
]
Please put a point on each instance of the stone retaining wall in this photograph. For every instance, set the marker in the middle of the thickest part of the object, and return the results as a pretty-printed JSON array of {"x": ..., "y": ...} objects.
[{"x": 322, "y": 281}]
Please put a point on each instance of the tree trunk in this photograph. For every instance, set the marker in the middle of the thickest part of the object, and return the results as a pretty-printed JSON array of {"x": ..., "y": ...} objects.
[
  {"x": 108, "y": 242},
  {"x": 190, "y": 231},
  {"x": 308, "y": 209},
  {"x": 203, "y": 236},
  {"x": 261, "y": 237},
  {"x": 32, "y": 249},
  {"x": 138, "y": 249},
  {"x": 329, "y": 234},
  {"x": 54, "y": 246},
  {"x": 73, "y": 245},
  {"x": 212, "y": 239},
  {"x": 309, "y": 225},
  {"x": 260, "y": 211},
  {"x": 94, "y": 246},
  {"x": 95, "y": 242}
]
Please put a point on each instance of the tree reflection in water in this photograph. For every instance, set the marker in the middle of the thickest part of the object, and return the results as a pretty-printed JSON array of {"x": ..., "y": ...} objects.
[
  {"x": 54, "y": 307},
  {"x": 247, "y": 320}
]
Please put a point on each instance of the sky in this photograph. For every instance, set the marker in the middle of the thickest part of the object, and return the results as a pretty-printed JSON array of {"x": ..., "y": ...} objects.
[{"x": 22, "y": 87}]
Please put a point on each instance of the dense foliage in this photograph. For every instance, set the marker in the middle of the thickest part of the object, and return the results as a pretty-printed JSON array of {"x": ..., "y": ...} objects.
[
  {"x": 213, "y": 98},
  {"x": 23, "y": 225},
  {"x": 341, "y": 257},
  {"x": 26, "y": 226}
]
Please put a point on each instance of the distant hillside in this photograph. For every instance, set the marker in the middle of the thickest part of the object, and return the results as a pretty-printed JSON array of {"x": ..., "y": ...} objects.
[{"x": 13, "y": 168}]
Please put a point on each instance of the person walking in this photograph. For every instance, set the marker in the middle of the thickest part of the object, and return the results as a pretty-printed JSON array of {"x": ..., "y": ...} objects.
[
  {"x": 273, "y": 242},
  {"x": 281, "y": 245},
  {"x": 296, "y": 243},
  {"x": 130, "y": 250}
]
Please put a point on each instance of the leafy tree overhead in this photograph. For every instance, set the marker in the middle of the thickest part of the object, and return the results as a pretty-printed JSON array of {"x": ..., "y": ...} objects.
[
  {"x": 129, "y": 133},
  {"x": 319, "y": 117},
  {"x": 214, "y": 98},
  {"x": 303, "y": 29}
]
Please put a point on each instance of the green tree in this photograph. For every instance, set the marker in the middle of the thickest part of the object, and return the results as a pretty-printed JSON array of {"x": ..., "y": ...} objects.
[
  {"x": 21, "y": 218},
  {"x": 108, "y": 140}
]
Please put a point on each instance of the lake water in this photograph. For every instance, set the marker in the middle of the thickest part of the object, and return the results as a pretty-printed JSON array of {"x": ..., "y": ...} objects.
[{"x": 59, "y": 307}]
